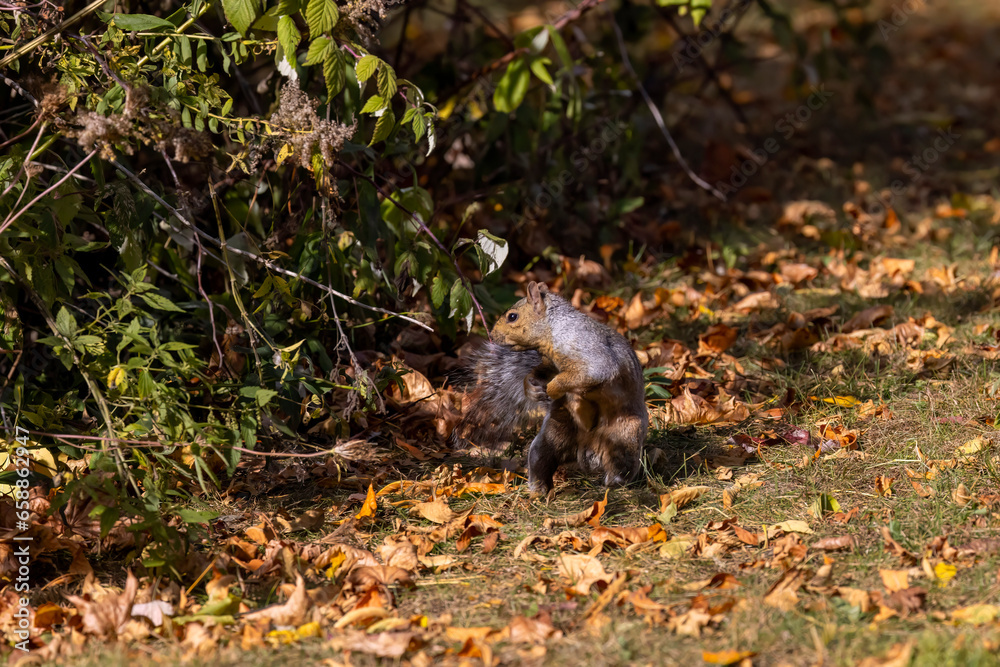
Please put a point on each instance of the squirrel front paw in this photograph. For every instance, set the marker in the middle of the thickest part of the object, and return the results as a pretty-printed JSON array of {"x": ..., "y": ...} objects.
[{"x": 534, "y": 390}]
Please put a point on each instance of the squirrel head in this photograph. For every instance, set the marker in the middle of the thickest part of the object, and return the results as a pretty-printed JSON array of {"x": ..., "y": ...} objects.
[{"x": 525, "y": 325}]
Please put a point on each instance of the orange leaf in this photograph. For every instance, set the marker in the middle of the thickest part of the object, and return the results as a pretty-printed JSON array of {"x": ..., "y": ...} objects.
[
  {"x": 369, "y": 506},
  {"x": 726, "y": 657}
]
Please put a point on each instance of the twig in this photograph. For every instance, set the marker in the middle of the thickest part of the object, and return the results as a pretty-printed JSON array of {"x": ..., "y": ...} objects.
[
  {"x": 13, "y": 217},
  {"x": 424, "y": 228},
  {"x": 702, "y": 183},
  {"x": 257, "y": 258},
  {"x": 119, "y": 460},
  {"x": 44, "y": 37},
  {"x": 148, "y": 444}
]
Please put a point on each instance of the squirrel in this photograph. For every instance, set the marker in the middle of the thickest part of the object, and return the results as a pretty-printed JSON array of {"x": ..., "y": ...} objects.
[{"x": 548, "y": 357}]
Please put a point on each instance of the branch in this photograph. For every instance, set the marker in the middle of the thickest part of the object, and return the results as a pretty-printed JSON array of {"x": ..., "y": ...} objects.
[
  {"x": 702, "y": 183},
  {"x": 424, "y": 228},
  {"x": 257, "y": 258}
]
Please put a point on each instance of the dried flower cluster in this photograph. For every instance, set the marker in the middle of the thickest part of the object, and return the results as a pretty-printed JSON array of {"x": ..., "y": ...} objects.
[{"x": 296, "y": 123}]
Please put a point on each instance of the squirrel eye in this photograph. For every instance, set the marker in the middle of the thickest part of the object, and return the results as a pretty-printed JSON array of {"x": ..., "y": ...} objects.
[{"x": 512, "y": 317}]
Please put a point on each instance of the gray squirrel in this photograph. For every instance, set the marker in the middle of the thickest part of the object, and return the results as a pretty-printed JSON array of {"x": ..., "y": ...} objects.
[{"x": 548, "y": 358}]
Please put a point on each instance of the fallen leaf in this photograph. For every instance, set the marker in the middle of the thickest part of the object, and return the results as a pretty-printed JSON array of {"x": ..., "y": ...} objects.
[
  {"x": 782, "y": 593},
  {"x": 835, "y": 543},
  {"x": 436, "y": 511},
  {"x": 726, "y": 657},
  {"x": 895, "y": 580},
  {"x": 582, "y": 571},
  {"x": 369, "y": 506}
]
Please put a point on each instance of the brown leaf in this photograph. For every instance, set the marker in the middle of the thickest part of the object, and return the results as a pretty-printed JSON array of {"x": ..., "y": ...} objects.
[
  {"x": 592, "y": 515},
  {"x": 895, "y": 580},
  {"x": 381, "y": 644},
  {"x": 682, "y": 496},
  {"x": 107, "y": 618},
  {"x": 961, "y": 495},
  {"x": 582, "y": 571},
  {"x": 898, "y": 656},
  {"x": 893, "y": 547},
  {"x": 907, "y": 600},
  {"x": 867, "y": 318},
  {"x": 436, "y": 511},
  {"x": 883, "y": 485},
  {"x": 716, "y": 339},
  {"x": 534, "y": 630},
  {"x": 370, "y": 505},
  {"x": 835, "y": 543},
  {"x": 782, "y": 593},
  {"x": 292, "y": 612}
]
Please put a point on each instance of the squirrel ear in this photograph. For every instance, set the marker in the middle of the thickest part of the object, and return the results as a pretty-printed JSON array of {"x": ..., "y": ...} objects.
[{"x": 535, "y": 295}]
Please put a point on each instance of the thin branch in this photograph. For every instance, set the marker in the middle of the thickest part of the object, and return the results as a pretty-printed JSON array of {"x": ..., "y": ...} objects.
[
  {"x": 45, "y": 36},
  {"x": 257, "y": 258},
  {"x": 424, "y": 228},
  {"x": 702, "y": 183},
  {"x": 12, "y": 218},
  {"x": 95, "y": 392}
]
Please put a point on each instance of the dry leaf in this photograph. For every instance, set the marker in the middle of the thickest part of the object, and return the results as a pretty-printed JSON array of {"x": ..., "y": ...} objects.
[
  {"x": 682, "y": 496},
  {"x": 895, "y": 580},
  {"x": 835, "y": 543},
  {"x": 582, "y": 571},
  {"x": 782, "y": 594},
  {"x": 292, "y": 612},
  {"x": 436, "y": 511},
  {"x": 370, "y": 505}
]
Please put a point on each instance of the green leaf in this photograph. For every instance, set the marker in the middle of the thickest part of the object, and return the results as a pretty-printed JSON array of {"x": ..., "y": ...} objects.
[
  {"x": 366, "y": 67},
  {"x": 66, "y": 323},
  {"x": 288, "y": 35},
  {"x": 419, "y": 126},
  {"x": 317, "y": 50},
  {"x": 538, "y": 67},
  {"x": 141, "y": 22},
  {"x": 196, "y": 516},
  {"x": 560, "y": 46},
  {"x": 321, "y": 16},
  {"x": 373, "y": 104},
  {"x": 154, "y": 300},
  {"x": 512, "y": 88},
  {"x": 241, "y": 13},
  {"x": 333, "y": 71},
  {"x": 460, "y": 300},
  {"x": 439, "y": 290},
  {"x": 146, "y": 385},
  {"x": 383, "y": 128},
  {"x": 387, "y": 81},
  {"x": 495, "y": 248}
]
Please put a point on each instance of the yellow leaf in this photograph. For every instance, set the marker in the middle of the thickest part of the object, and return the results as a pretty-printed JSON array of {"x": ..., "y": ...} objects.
[
  {"x": 977, "y": 614},
  {"x": 116, "y": 377},
  {"x": 308, "y": 630},
  {"x": 335, "y": 563},
  {"x": 977, "y": 444},
  {"x": 284, "y": 153},
  {"x": 793, "y": 526},
  {"x": 944, "y": 573},
  {"x": 839, "y": 401}
]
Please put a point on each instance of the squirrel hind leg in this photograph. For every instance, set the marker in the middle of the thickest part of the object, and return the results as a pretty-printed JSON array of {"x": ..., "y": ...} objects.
[
  {"x": 621, "y": 450},
  {"x": 555, "y": 444}
]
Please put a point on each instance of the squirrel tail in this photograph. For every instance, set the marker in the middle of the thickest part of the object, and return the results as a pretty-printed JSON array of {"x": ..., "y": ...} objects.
[{"x": 499, "y": 405}]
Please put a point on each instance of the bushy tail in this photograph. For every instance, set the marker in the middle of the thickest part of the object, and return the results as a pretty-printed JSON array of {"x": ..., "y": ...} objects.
[{"x": 498, "y": 406}]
